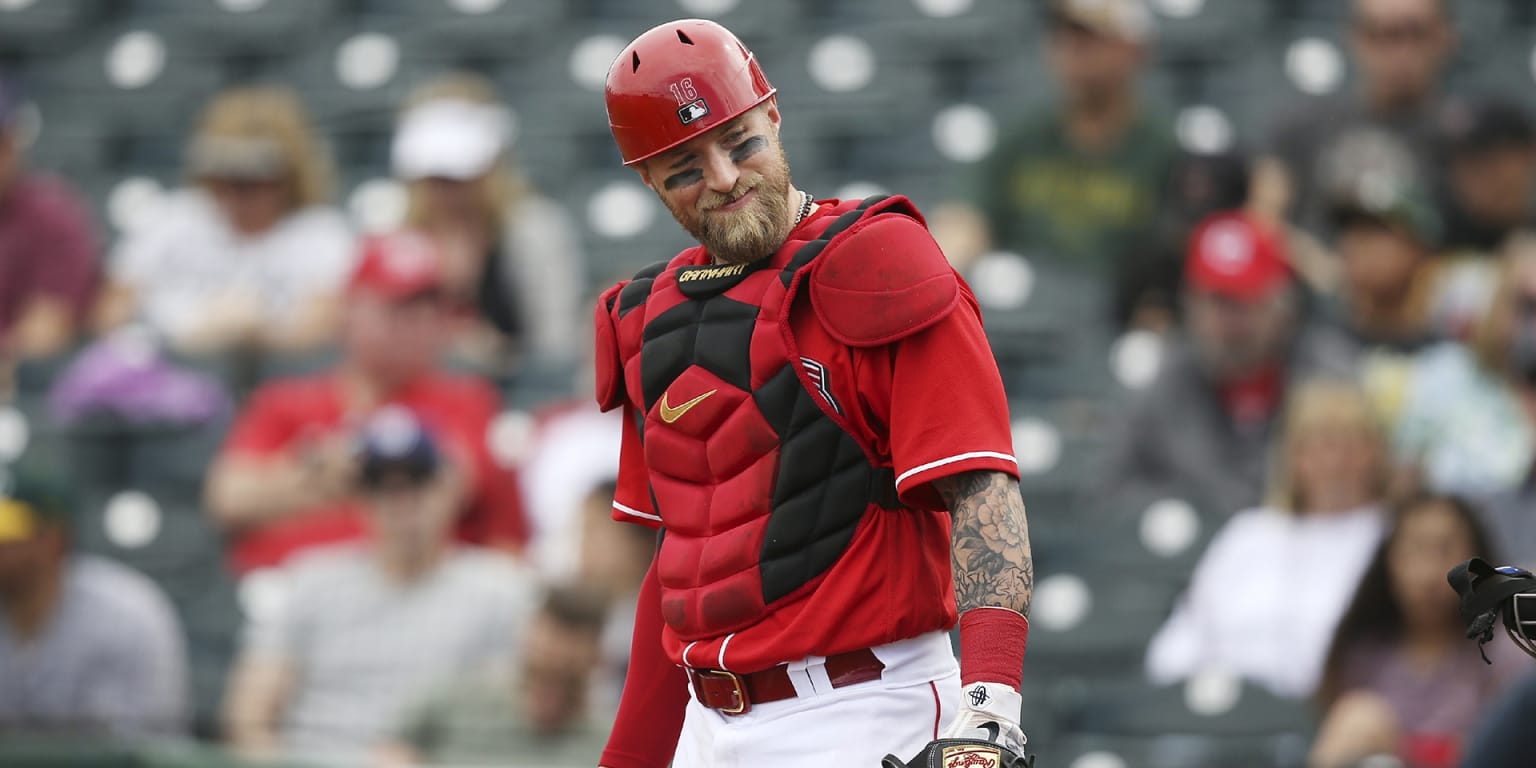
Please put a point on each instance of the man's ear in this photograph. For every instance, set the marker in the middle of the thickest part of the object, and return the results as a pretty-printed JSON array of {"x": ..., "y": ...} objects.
[
  {"x": 645, "y": 175},
  {"x": 771, "y": 110}
]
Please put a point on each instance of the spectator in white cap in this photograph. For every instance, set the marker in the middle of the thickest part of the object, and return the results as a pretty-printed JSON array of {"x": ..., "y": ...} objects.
[
  {"x": 511, "y": 256},
  {"x": 251, "y": 254}
]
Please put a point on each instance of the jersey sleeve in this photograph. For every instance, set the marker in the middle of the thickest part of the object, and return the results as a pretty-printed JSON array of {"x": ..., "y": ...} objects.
[
  {"x": 948, "y": 412},
  {"x": 262, "y": 428},
  {"x": 632, "y": 496}
]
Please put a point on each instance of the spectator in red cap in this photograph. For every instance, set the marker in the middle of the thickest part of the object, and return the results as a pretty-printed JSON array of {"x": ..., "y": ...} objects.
[
  {"x": 1202, "y": 430},
  {"x": 48, "y": 248},
  {"x": 287, "y": 476}
]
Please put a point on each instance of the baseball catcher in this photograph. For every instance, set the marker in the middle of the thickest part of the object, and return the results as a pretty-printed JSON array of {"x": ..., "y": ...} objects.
[{"x": 816, "y": 426}]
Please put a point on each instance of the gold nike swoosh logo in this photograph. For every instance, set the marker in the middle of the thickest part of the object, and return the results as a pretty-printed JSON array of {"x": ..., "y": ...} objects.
[{"x": 670, "y": 414}]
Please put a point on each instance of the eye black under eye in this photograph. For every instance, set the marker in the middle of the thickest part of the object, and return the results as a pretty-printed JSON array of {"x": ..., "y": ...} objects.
[
  {"x": 747, "y": 148},
  {"x": 686, "y": 178}
]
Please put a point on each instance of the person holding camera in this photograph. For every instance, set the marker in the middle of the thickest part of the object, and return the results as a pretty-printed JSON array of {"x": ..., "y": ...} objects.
[
  {"x": 364, "y": 628},
  {"x": 287, "y": 477}
]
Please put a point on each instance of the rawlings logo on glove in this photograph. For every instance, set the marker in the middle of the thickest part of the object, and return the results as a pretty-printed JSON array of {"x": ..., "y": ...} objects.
[{"x": 986, "y": 734}]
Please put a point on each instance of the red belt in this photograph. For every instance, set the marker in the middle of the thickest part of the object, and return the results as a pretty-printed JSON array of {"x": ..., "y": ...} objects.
[{"x": 734, "y": 694}]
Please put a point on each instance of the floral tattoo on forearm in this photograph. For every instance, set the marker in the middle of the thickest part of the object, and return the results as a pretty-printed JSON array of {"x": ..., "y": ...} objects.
[{"x": 989, "y": 547}]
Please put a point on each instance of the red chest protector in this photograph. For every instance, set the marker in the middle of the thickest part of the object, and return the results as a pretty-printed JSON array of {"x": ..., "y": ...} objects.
[{"x": 759, "y": 486}]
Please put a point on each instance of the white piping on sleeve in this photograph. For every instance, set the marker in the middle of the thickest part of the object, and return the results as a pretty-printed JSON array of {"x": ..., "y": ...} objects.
[
  {"x": 723, "y": 644},
  {"x": 635, "y": 512},
  {"x": 952, "y": 459}
]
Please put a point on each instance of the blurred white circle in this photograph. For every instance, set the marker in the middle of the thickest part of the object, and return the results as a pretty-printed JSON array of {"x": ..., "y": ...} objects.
[
  {"x": 135, "y": 60},
  {"x": 842, "y": 63},
  {"x": 475, "y": 7},
  {"x": 1135, "y": 358},
  {"x": 14, "y": 434},
  {"x": 263, "y": 594},
  {"x": 943, "y": 9},
  {"x": 134, "y": 202},
  {"x": 367, "y": 60},
  {"x": 708, "y": 7},
  {"x": 16, "y": 5},
  {"x": 592, "y": 57},
  {"x": 131, "y": 519},
  {"x": 621, "y": 209},
  {"x": 378, "y": 205},
  {"x": 510, "y": 437},
  {"x": 1314, "y": 65},
  {"x": 1037, "y": 445},
  {"x": 1179, "y": 9},
  {"x": 964, "y": 133},
  {"x": 1061, "y": 603},
  {"x": 1099, "y": 759},
  {"x": 241, "y": 6},
  {"x": 858, "y": 190},
  {"x": 1002, "y": 280},
  {"x": 1169, "y": 527},
  {"x": 1204, "y": 130},
  {"x": 1212, "y": 692}
]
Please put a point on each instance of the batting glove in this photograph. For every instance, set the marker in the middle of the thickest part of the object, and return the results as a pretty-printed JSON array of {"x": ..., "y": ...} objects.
[{"x": 990, "y": 712}]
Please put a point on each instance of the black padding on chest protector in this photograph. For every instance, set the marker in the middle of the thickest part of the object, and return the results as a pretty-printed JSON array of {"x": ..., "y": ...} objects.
[
  {"x": 714, "y": 334},
  {"x": 823, "y": 485},
  {"x": 639, "y": 288},
  {"x": 824, "y": 482}
]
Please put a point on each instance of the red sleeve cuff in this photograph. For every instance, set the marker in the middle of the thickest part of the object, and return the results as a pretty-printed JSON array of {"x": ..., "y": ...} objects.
[
  {"x": 626, "y": 514},
  {"x": 914, "y": 488}
]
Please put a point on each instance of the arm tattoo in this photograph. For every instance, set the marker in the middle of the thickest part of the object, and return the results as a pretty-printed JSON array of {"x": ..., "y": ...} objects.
[{"x": 989, "y": 548}]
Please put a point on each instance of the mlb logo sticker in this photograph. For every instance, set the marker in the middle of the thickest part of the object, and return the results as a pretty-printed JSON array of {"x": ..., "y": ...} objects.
[{"x": 692, "y": 111}]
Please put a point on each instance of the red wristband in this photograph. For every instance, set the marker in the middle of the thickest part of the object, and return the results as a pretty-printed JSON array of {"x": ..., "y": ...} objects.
[{"x": 992, "y": 646}]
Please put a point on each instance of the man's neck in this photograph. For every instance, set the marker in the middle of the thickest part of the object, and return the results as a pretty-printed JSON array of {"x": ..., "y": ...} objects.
[
  {"x": 1096, "y": 125},
  {"x": 407, "y": 569},
  {"x": 30, "y": 611},
  {"x": 1391, "y": 106},
  {"x": 1391, "y": 319},
  {"x": 362, "y": 391}
]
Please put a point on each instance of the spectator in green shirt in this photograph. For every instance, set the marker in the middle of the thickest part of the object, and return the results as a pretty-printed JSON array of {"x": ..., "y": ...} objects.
[{"x": 1077, "y": 183}]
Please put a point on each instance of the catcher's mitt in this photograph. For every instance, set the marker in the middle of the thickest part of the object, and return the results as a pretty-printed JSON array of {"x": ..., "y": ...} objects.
[{"x": 961, "y": 753}]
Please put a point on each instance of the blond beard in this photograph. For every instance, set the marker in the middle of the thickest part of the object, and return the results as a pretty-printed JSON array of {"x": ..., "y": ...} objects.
[{"x": 752, "y": 233}]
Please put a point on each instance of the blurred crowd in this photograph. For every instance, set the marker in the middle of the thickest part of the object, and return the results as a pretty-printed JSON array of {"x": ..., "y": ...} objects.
[{"x": 1344, "y": 325}]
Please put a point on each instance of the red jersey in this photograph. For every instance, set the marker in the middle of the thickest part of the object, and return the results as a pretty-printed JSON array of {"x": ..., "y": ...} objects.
[
  {"x": 282, "y": 415},
  {"x": 927, "y": 406}
]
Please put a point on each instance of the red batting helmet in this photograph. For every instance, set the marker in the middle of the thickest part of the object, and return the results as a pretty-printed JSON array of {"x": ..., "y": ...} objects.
[{"x": 679, "y": 80}]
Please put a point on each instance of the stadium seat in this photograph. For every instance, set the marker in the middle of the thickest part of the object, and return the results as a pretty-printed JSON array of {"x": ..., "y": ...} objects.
[
  {"x": 1209, "y": 723},
  {"x": 1092, "y": 624},
  {"x": 222, "y": 27},
  {"x": 170, "y": 462},
  {"x": 42, "y": 26}
]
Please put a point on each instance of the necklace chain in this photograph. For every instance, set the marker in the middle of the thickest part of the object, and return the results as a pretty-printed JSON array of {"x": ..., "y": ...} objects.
[{"x": 806, "y": 204}]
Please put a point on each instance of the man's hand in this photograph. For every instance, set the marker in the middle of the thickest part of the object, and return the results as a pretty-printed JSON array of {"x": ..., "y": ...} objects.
[{"x": 990, "y": 712}]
